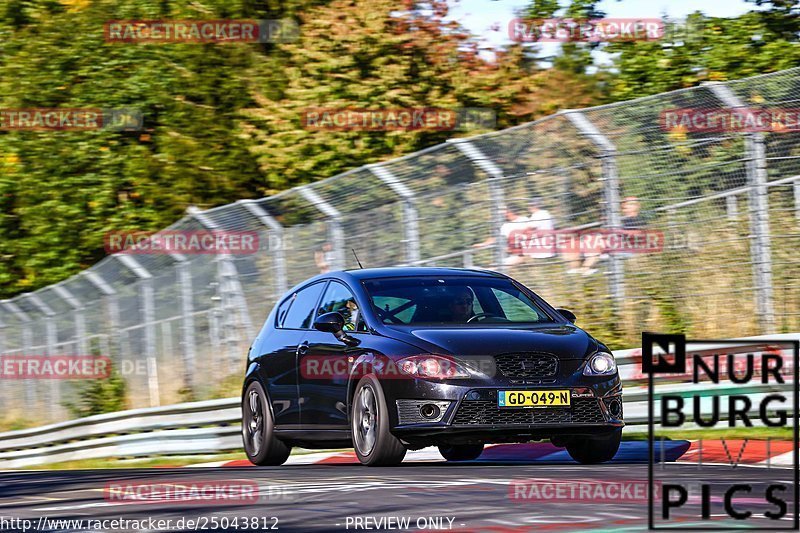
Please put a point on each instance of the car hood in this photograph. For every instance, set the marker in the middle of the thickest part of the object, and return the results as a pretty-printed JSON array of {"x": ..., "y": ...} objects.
[{"x": 563, "y": 341}]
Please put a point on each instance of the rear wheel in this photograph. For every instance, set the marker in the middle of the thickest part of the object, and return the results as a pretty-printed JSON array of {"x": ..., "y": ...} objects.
[
  {"x": 593, "y": 450},
  {"x": 461, "y": 452},
  {"x": 258, "y": 429},
  {"x": 369, "y": 422}
]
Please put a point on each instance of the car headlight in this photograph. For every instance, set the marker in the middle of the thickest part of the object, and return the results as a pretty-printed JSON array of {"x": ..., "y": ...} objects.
[
  {"x": 600, "y": 364},
  {"x": 432, "y": 366}
]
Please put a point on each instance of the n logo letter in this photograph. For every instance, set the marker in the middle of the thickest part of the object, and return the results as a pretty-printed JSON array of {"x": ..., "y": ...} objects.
[{"x": 657, "y": 363}]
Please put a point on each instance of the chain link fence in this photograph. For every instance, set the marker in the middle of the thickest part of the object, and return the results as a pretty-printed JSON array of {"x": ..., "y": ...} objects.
[{"x": 728, "y": 204}]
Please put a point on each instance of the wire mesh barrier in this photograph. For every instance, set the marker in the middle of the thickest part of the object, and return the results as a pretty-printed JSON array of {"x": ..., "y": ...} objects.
[{"x": 727, "y": 203}]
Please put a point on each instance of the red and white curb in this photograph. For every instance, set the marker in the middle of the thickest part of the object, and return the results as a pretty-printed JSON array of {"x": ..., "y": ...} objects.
[{"x": 773, "y": 453}]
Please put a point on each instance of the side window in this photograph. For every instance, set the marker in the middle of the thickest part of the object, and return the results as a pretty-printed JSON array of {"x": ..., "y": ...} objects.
[
  {"x": 301, "y": 313},
  {"x": 339, "y": 298},
  {"x": 518, "y": 308},
  {"x": 280, "y": 314}
]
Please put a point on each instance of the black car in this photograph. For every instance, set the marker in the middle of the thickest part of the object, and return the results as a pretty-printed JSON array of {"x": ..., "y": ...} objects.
[{"x": 391, "y": 359}]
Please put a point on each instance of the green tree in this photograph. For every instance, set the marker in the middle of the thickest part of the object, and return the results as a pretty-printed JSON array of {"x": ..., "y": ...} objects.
[{"x": 703, "y": 48}]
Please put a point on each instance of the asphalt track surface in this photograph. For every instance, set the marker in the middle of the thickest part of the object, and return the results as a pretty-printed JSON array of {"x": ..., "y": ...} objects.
[{"x": 476, "y": 495}]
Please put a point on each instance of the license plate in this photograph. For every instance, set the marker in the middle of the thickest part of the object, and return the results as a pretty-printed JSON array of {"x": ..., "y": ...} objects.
[{"x": 533, "y": 398}]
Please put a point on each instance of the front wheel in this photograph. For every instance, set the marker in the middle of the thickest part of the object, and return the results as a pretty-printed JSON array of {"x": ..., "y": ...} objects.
[
  {"x": 258, "y": 429},
  {"x": 369, "y": 422},
  {"x": 461, "y": 452},
  {"x": 593, "y": 450}
]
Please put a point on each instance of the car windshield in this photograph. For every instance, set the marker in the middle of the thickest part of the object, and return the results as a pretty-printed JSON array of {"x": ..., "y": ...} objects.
[{"x": 452, "y": 300}]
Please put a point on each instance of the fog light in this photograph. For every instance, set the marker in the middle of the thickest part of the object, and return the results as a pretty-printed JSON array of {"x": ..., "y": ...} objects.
[
  {"x": 615, "y": 408},
  {"x": 429, "y": 410}
]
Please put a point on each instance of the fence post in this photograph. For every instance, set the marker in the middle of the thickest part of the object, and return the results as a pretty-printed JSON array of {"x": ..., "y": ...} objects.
[
  {"x": 410, "y": 215},
  {"x": 334, "y": 223},
  {"x": 732, "y": 207},
  {"x": 761, "y": 248},
  {"x": 496, "y": 193},
  {"x": 796, "y": 189},
  {"x": 148, "y": 315},
  {"x": 27, "y": 343},
  {"x": 608, "y": 160},
  {"x": 232, "y": 297},
  {"x": 80, "y": 319},
  {"x": 51, "y": 339},
  {"x": 184, "y": 275},
  {"x": 110, "y": 297},
  {"x": 279, "y": 253}
]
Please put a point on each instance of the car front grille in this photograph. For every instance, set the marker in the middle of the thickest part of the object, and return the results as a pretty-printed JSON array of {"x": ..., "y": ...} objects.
[
  {"x": 527, "y": 365},
  {"x": 486, "y": 412}
]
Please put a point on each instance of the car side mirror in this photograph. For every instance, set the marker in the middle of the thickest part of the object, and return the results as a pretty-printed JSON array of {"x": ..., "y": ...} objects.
[
  {"x": 334, "y": 323},
  {"x": 569, "y": 315}
]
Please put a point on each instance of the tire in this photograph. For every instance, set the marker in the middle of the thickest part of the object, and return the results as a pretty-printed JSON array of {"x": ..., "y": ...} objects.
[
  {"x": 593, "y": 450},
  {"x": 258, "y": 429},
  {"x": 461, "y": 452},
  {"x": 369, "y": 423}
]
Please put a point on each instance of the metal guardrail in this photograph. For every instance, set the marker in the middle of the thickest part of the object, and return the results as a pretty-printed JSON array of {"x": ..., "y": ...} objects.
[{"x": 214, "y": 426}]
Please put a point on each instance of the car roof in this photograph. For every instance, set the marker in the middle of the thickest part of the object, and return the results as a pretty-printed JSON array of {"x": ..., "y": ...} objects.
[
  {"x": 402, "y": 272},
  {"x": 356, "y": 275}
]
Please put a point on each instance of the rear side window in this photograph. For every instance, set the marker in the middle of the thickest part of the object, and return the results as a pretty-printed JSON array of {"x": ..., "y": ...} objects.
[
  {"x": 301, "y": 313},
  {"x": 280, "y": 315}
]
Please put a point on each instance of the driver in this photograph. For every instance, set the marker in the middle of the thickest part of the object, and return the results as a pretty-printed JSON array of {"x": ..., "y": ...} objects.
[
  {"x": 460, "y": 306},
  {"x": 349, "y": 312}
]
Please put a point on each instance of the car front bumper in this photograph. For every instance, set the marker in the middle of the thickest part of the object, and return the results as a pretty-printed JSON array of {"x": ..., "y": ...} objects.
[{"x": 472, "y": 414}]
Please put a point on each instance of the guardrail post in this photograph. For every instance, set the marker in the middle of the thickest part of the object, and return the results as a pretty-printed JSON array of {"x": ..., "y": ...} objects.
[
  {"x": 608, "y": 159},
  {"x": 278, "y": 251},
  {"x": 761, "y": 247},
  {"x": 334, "y": 224},
  {"x": 496, "y": 193},
  {"x": 410, "y": 215},
  {"x": 148, "y": 315},
  {"x": 232, "y": 298},
  {"x": 80, "y": 319},
  {"x": 51, "y": 339}
]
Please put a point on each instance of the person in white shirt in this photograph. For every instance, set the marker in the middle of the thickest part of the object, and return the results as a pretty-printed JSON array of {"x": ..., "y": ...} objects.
[
  {"x": 513, "y": 222},
  {"x": 539, "y": 220}
]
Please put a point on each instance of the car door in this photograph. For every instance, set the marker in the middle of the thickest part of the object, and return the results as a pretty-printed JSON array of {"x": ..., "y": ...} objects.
[
  {"x": 279, "y": 359},
  {"x": 324, "y": 369}
]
